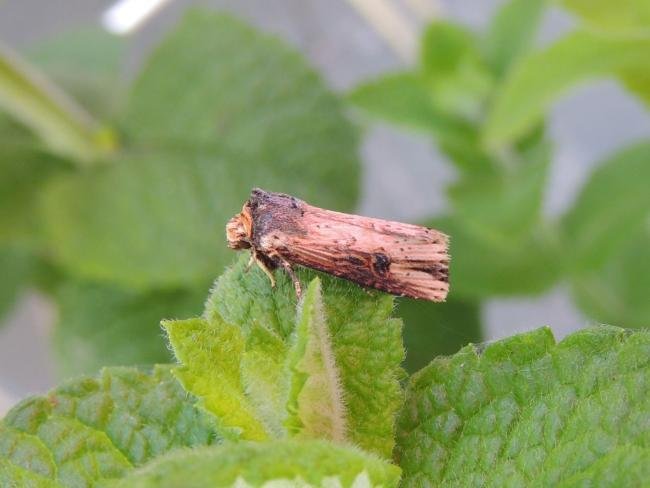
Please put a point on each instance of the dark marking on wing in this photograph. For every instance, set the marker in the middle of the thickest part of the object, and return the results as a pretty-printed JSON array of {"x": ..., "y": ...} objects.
[{"x": 381, "y": 263}]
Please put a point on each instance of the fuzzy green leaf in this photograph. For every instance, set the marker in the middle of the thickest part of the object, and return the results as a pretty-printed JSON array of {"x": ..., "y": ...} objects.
[
  {"x": 299, "y": 464},
  {"x": 618, "y": 292},
  {"x": 316, "y": 407},
  {"x": 525, "y": 410},
  {"x": 100, "y": 325},
  {"x": 511, "y": 32},
  {"x": 366, "y": 343},
  {"x": 62, "y": 125},
  {"x": 91, "y": 430},
  {"x": 626, "y": 16},
  {"x": 543, "y": 76},
  {"x": 253, "y": 115},
  {"x": 612, "y": 207},
  {"x": 210, "y": 353}
]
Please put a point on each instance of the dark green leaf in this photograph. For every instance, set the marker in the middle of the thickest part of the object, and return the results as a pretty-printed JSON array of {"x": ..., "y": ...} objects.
[
  {"x": 100, "y": 325},
  {"x": 433, "y": 329},
  {"x": 619, "y": 291},
  {"x": 511, "y": 32},
  {"x": 611, "y": 208},
  {"x": 525, "y": 411},
  {"x": 91, "y": 430},
  {"x": 241, "y": 111}
]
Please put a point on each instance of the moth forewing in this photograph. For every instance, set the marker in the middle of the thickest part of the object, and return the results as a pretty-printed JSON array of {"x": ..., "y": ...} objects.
[{"x": 401, "y": 259}]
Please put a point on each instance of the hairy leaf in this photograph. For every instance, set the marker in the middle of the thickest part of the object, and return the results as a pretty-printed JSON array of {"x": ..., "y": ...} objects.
[
  {"x": 288, "y": 464},
  {"x": 210, "y": 353},
  {"x": 432, "y": 329},
  {"x": 543, "y": 76},
  {"x": 253, "y": 115},
  {"x": 366, "y": 343},
  {"x": 525, "y": 410},
  {"x": 316, "y": 407},
  {"x": 612, "y": 207},
  {"x": 91, "y": 430},
  {"x": 619, "y": 291},
  {"x": 101, "y": 325},
  {"x": 511, "y": 32},
  {"x": 627, "y": 16}
]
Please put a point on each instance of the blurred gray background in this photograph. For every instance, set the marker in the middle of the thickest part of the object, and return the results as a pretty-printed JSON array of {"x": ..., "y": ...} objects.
[{"x": 349, "y": 41}]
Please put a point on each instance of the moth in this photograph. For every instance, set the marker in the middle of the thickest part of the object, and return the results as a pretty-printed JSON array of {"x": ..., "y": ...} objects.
[{"x": 282, "y": 231}]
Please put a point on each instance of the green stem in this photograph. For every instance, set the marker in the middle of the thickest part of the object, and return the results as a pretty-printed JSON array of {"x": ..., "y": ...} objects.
[{"x": 65, "y": 127}]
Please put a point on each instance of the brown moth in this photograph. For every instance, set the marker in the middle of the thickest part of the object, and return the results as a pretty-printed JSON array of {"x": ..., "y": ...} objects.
[{"x": 282, "y": 231}]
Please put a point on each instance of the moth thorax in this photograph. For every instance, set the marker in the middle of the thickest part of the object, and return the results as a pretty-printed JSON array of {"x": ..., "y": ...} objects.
[{"x": 237, "y": 233}]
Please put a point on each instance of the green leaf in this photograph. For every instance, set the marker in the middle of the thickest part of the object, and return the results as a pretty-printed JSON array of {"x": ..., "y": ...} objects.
[
  {"x": 64, "y": 126},
  {"x": 483, "y": 266},
  {"x": 455, "y": 73},
  {"x": 511, "y": 33},
  {"x": 627, "y": 16},
  {"x": 403, "y": 98},
  {"x": 86, "y": 62},
  {"x": 618, "y": 292},
  {"x": 611, "y": 208},
  {"x": 100, "y": 325},
  {"x": 210, "y": 353},
  {"x": 316, "y": 406},
  {"x": 433, "y": 329},
  {"x": 91, "y": 430},
  {"x": 16, "y": 270},
  {"x": 286, "y": 463},
  {"x": 503, "y": 204},
  {"x": 542, "y": 77},
  {"x": 366, "y": 343},
  {"x": 25, "y": 171},
  {"x": 525, "y": 410},
  {"x": 250, "y": 114}
]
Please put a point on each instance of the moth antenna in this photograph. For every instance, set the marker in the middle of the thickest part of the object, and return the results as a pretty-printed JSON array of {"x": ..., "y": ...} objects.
[
  {"x": 250, "y": 262},
  {"x": 296, "y": 282}
]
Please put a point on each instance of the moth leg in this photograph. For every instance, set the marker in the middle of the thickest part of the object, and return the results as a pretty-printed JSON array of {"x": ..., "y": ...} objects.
[
  {"x": 250, "y": 262},
  {"x": 292, "y": 274},
  {"x": 264, "y": 268}
]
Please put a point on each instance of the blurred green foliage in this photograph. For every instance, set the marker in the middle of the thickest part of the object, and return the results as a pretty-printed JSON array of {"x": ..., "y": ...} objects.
[
  {"x": 114, "y": 194},
  {"x": 483, "y": 98}
]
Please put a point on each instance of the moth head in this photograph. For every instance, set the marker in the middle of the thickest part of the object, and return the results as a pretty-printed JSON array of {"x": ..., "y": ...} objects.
[{"x": 239, "y": 230}]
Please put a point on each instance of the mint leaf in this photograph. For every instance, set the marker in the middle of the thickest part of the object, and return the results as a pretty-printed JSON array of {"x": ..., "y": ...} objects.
[
  {"x": 365, "y": 340},
  {"x": 254, "y": 115},
  {"x": 316, "y": 407},
  {"x": 597, "y": 227},
  {"x": 511, "y": 32},
  {"x": 101, "y": 325},
  {"x": 432, "y": 329},
  {"x": 210, "y": 354},
  {"x": 617, "y": 292},
  {"x": 628, "y": 16},
  {"x": 91, "y": 430},
  {"x": 287, "y": 463},
  {"x": 525, "y": 410},
  {"x": 542, "y": 77}
]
